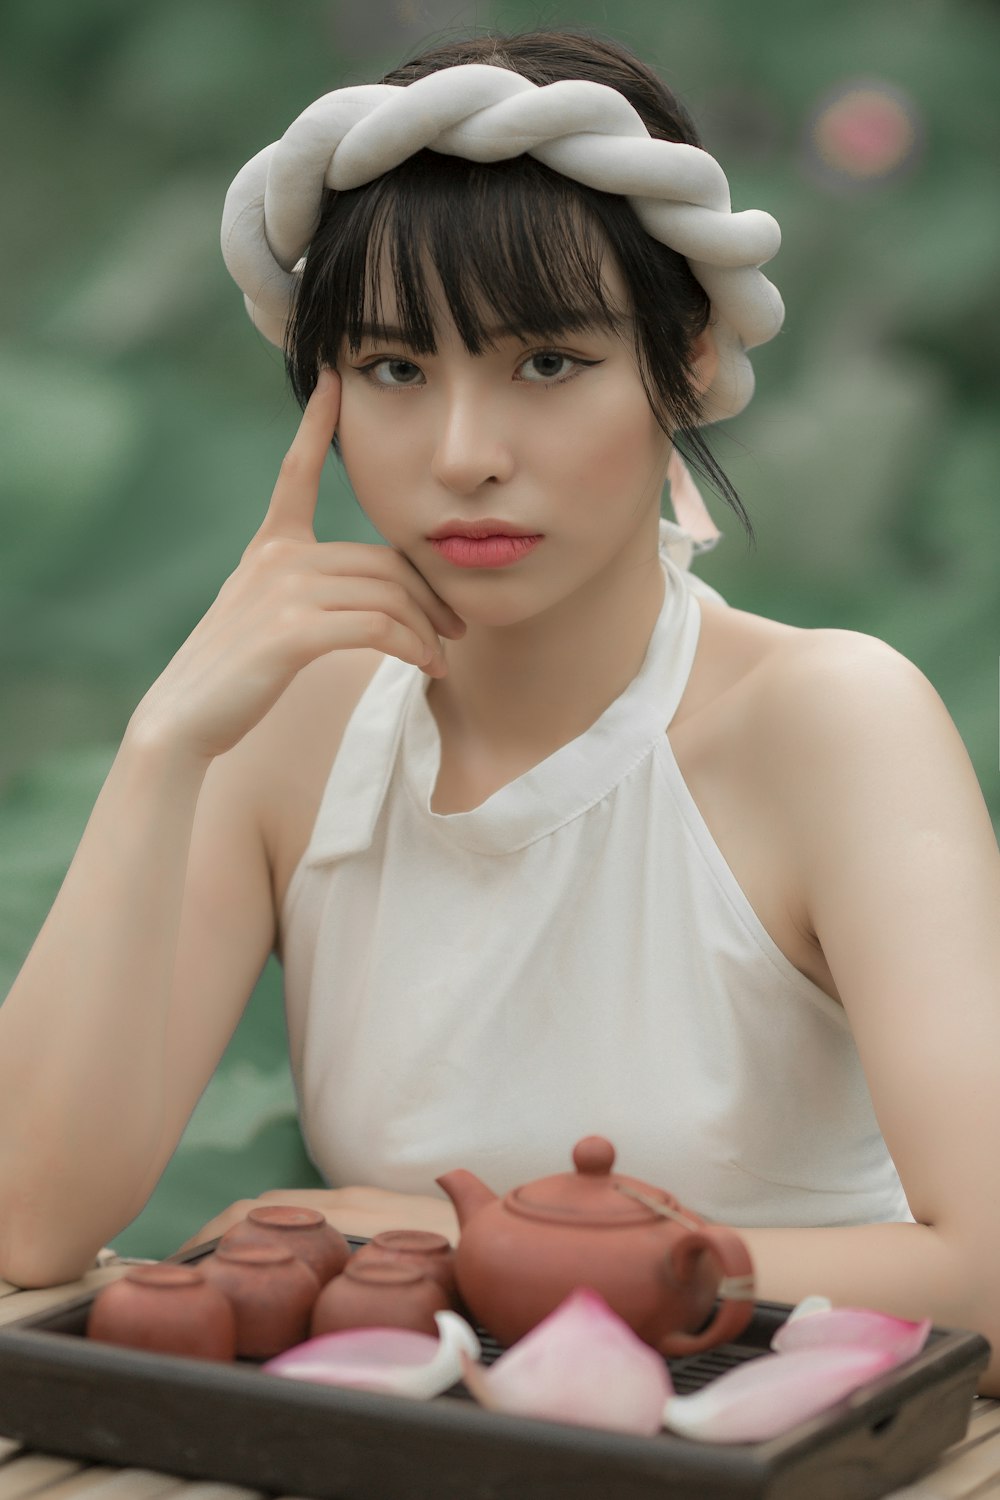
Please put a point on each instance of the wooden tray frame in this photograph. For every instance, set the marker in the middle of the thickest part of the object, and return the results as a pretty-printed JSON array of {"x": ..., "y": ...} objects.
[{"x": 63, "y": 1394}]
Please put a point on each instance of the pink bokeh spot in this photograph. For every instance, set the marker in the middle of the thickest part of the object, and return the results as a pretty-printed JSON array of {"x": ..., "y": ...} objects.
[{"x": 867, "y": 132}]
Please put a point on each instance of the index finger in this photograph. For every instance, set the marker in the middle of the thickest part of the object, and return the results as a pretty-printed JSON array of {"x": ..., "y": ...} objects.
[{"x": 292, "y": 509}]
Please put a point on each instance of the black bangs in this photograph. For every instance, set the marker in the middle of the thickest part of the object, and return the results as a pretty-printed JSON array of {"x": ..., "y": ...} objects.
[
  {"x": 504, "y": 266},
  {"x": 511, "y": 248}
]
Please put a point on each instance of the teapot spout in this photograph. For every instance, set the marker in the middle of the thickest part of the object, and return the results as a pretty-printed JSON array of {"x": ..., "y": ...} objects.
[{"x": 466, "y": 1192}]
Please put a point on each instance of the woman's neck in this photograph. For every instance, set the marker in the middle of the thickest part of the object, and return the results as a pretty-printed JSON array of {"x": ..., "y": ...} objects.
[{"x": 521, "y": 691}]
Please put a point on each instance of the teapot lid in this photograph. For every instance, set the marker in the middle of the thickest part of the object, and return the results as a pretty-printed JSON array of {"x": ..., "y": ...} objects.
[{"x": 588, "y": 1196}]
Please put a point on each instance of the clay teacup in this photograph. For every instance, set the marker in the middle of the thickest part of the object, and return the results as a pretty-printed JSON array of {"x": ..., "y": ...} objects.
[
  {"x": 378, "y": 1294},
  {"x": 170, "y": 1309},
  {"x": 272, "y": 1294},
  {"x": 431, "y": 1253},
  {"x": 303, "y": 1231}
]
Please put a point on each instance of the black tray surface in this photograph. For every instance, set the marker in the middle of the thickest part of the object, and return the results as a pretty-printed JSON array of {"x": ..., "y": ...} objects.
[{"x": 63, "y": 1393}]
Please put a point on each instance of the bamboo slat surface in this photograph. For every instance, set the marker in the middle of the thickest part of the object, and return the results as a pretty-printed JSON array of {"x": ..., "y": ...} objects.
[
  {"x": 969, "y": 1470},
  {"x": 16, "y": 1304}
]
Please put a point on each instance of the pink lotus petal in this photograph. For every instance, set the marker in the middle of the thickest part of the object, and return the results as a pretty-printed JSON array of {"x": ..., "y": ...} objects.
[
  {"x": 357, "y": 1350},
  {"x": 769, "y": 1395},
  {"x": 857, "y": 1327},
  {"x": 395, "y": 1360},
  {"x": 582, "y": 1364}
]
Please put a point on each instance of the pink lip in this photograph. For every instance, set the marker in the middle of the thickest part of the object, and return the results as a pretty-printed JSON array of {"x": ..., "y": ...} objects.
[
  {"x": 481, "y": 526},
  {"x": 497, "y": 551}
]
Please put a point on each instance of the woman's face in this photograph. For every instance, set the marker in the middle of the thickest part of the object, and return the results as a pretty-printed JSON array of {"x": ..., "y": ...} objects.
[{"x": 557, "y": 439}]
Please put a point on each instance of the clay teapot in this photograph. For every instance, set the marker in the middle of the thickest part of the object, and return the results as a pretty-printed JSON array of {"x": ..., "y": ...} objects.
[{"x": 656, "y": 1263}]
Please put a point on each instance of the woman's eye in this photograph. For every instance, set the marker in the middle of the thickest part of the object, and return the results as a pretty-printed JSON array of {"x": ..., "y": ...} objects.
[
  {"x": 548, "y": 366},
  {"x": 393, "y": 373}
]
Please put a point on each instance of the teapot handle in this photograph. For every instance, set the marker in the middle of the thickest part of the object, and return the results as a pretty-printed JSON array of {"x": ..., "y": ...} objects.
[{"x": 735, "y": 1289}]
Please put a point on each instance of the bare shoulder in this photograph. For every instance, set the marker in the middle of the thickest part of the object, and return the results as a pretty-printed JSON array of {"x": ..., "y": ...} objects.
[
  {"x": 781, "y": 669},
  {"x": 284, "y": 763},
  {"x": 841, "y": 691},
  {"x": 856, "y": 754},
  {"x": 843, "y": 777}
]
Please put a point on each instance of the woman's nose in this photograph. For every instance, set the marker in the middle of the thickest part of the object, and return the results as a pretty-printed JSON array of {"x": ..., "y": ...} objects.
[{"x": 470, "y": 449}]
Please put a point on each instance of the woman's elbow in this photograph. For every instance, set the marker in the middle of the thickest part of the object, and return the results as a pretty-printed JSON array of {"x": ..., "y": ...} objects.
[{"x": 32, "y": 1256}]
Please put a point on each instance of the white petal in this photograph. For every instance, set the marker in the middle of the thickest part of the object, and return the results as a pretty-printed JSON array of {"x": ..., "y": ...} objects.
[
  {"x": 808, "y": 1306},
  {"x": 395, "y": 1360}
]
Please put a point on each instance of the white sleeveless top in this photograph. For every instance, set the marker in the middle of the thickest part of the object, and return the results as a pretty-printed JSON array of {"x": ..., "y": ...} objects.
[{"x": 573, "y": 957}]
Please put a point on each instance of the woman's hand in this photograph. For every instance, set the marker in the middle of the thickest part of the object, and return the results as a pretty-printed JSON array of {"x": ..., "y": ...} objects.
[
  {"x": 291, "y": 599},
  {"x": 353, "y": 1210}
]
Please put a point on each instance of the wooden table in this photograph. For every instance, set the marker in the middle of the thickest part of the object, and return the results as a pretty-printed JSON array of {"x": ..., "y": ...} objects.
[{"x": 970, "y": 1470}]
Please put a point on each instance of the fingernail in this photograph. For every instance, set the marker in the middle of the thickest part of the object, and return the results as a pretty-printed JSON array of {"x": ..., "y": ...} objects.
[{"x": 325, "y": 379}]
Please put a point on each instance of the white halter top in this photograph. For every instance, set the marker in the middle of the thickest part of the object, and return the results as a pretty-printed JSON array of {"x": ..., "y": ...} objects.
[{"x": 573, "y": 957}]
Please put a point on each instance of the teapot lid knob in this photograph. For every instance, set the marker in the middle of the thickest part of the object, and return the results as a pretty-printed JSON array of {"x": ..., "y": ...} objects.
[{"x": 594, "y": 1155}]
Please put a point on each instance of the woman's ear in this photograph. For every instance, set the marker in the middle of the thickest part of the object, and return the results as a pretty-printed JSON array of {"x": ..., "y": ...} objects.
[{"x": 704, "y": 361}]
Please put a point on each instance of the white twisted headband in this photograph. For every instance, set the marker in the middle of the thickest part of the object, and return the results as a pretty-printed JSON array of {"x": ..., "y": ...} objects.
[{"x": 586, "y": 131}]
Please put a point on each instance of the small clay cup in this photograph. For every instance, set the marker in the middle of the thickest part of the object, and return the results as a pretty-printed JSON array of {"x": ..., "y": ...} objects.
[
  {"x": 272, "y": 1294},
  {"x": 303, "y": 1231},
  {"x": 378, "y": 1294},
  {"x": 167, "y": 1308},
  {"x": 432, "y": 1253}
]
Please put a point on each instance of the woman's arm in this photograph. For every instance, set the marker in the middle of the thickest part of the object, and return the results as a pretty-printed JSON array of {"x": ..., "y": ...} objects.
[
  {"x": 363, "y": 1211},
  {"x": 124, "y": 1005},
  {"x": 138, "y": 976},
  {"x": 874, "y": 795}
]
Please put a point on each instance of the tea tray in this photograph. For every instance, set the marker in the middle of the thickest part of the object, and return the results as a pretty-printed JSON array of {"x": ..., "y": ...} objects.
[{"x": 63, "y": 1394}]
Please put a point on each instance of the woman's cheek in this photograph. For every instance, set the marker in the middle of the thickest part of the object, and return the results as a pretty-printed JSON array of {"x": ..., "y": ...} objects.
[
  {"x": 358, "y": 447},
  {"x": 376, "y": 431},
  {"x": 619, "y": 445}
]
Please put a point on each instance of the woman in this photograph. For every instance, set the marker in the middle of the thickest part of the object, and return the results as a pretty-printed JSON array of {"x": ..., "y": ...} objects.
[{"x": 549, "y": 839}]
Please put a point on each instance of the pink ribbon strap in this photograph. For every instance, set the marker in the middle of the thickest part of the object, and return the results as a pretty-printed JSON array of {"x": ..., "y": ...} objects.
[{"x": 689, "y": 507}]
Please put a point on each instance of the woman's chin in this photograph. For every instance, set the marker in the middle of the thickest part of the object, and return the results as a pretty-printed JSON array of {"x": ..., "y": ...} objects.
[{"x": 494, "y": 605}]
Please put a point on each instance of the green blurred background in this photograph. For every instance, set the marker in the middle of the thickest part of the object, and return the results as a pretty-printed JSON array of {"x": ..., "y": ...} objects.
[{"x": 144, "y": 420}]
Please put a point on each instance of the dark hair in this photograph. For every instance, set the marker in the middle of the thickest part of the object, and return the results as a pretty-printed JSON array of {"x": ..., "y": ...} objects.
[{"x": 514, "y": 243}]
